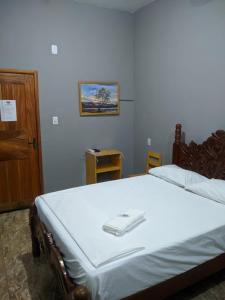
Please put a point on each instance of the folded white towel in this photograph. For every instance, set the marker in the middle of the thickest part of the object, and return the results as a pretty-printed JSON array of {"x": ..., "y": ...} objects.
[{"x": 124, "y": 222}]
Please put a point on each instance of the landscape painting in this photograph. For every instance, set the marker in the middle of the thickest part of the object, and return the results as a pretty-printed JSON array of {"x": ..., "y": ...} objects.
[{"x": 99, "y": 98}]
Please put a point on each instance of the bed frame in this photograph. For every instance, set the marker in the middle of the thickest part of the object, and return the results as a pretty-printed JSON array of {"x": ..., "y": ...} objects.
[{"x": 207, "y": 159}]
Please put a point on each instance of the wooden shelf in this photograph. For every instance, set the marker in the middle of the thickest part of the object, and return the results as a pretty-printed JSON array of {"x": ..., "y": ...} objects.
[
  {"x": 104, "y": 165},
  {"x": 107, "y": 152},
  {"x": 109, "y": 168}
]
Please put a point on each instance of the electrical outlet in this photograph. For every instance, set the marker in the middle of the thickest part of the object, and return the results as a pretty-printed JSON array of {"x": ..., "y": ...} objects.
[{"x": 149, "y": 141}]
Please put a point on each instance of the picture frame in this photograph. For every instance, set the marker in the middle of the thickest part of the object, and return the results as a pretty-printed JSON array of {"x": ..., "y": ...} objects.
[{"x": 99, "y": 98}]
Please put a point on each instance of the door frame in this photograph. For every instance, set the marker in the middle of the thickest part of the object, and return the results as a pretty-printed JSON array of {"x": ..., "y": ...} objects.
[{"x": 34, "y": 73}]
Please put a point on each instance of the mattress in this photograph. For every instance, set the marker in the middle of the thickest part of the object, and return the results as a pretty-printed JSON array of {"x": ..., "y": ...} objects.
[{"x": 181, "y": 231}]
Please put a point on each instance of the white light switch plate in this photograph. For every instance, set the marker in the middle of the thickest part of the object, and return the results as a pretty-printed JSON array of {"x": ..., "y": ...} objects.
[
  {"x": 55, "y": 120},
  {"x": 54, "y": 49}
]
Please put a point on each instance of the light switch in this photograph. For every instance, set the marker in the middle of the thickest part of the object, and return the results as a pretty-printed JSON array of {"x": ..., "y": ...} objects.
[
  {"x": 149, "y": 141},
  {"x": 54, "y": 49},
  {"x": 55, "y": 120}
]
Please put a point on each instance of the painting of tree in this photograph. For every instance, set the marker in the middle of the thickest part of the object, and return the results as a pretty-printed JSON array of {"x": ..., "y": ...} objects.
[
  {"x": 99, "y": 98},
  {"x": 104, "y": 95}
]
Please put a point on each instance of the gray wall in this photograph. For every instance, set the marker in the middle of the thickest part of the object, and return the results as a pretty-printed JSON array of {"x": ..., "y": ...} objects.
[
  {"x": 179, "y": 75},
  {"x": 180, "y": 72},
  {"x": 94, "y": 44}
]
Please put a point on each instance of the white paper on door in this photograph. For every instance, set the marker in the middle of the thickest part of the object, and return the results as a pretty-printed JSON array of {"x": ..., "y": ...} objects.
[{"x": 8, "y": 110}]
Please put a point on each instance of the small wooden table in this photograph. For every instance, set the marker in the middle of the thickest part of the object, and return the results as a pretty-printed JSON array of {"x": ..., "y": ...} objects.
[{"x": 103, "y": 166}]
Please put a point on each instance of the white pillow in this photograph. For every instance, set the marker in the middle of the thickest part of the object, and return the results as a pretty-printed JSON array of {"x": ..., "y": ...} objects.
[
  {"x": 177, "y": 175},
  {"x": 213, "y": 189}
]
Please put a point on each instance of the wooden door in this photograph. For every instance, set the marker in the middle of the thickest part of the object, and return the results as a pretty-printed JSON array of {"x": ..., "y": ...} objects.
[{"x": 20, "y": 144}]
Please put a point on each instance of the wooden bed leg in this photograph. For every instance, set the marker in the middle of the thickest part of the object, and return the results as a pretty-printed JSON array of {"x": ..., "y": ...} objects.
[
  {"x": 79, "y": 293},
  {"x": 34, "y": 239}
]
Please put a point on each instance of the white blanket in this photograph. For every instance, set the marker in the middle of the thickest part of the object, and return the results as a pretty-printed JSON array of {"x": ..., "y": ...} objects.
[
  {"x": 99, "y": 250},
  {"x": 181, "y": 230}
]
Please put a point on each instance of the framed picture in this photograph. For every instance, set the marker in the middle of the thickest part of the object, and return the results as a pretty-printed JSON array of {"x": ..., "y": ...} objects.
[{"x": 99, "y": 98}]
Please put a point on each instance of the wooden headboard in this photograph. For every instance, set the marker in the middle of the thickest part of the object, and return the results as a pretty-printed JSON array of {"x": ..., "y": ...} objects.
[{"x": 207, "y": 158}]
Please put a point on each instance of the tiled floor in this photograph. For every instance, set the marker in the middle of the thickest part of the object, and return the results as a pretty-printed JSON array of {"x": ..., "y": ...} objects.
[
  {"x": 21, "y": 276},
  {"x": 25, "y": 278}
]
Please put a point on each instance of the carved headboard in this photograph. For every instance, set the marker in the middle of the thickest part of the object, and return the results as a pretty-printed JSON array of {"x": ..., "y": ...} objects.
[{"x": 207, "y": 158}]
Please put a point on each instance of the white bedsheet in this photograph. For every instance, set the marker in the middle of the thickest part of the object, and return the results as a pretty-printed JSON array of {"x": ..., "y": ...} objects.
[
  {"x": 181, "y": 231},
  {"x": 97, "y": 246}
]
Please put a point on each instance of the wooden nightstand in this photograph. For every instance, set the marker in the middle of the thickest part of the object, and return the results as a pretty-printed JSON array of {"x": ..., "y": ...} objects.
[
  {"x": 138, "y": 174},
  {"x": 103, "y": 166},
  {"x": 153, "y": 160}
]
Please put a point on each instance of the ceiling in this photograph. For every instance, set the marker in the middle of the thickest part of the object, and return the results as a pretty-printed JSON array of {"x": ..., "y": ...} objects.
[{"x": 124, "y": 5}]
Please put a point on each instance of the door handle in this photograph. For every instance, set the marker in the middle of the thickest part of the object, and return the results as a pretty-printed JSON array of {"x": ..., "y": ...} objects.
[{"x": 34, "y": 143}]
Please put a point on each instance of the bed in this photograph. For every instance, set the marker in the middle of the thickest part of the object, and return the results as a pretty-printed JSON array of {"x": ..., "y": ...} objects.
[{"x": 158, "y": 258}]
